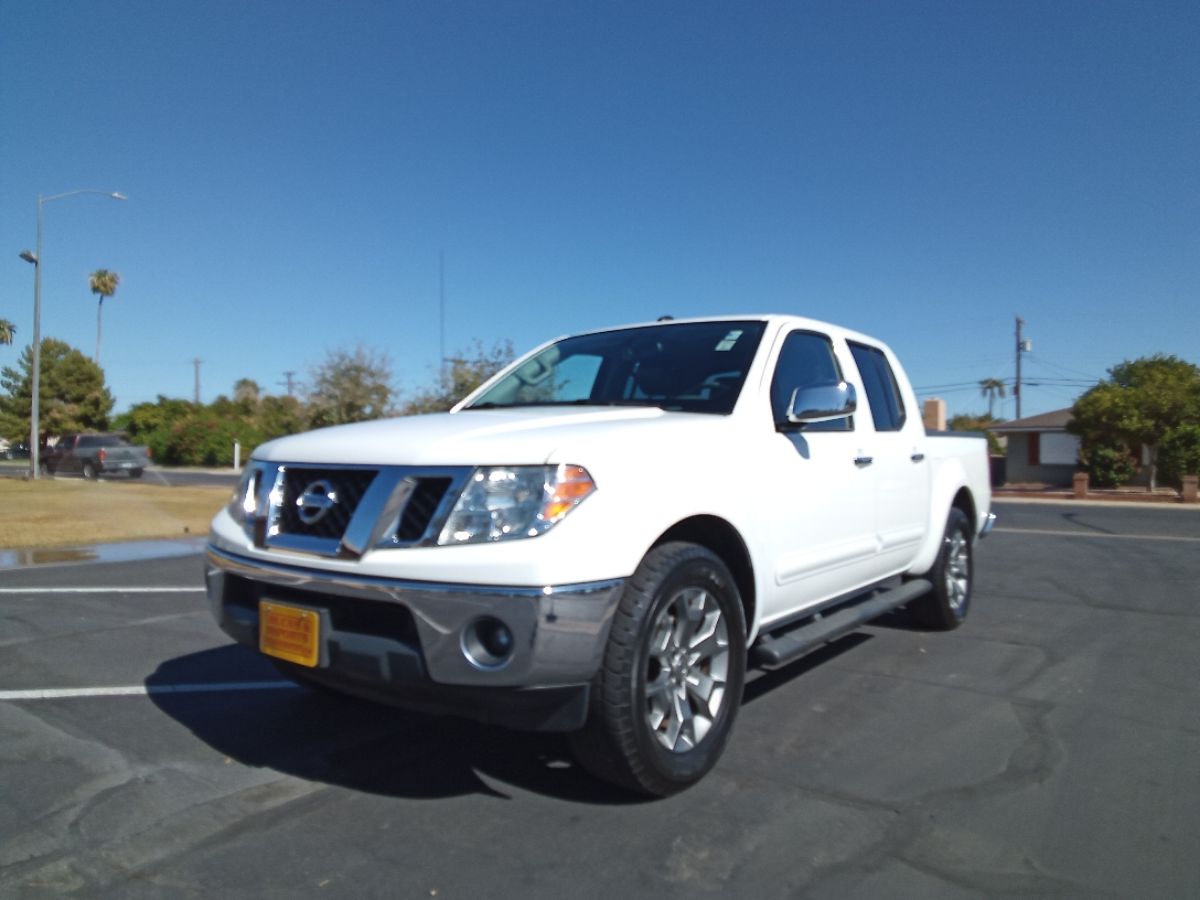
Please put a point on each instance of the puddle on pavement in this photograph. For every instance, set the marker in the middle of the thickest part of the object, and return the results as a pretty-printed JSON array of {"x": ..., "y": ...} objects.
[{"x": 125, "y": 552}]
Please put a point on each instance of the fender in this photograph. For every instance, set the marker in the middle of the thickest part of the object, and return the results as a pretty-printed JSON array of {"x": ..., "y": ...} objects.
[{"x": 949, "y": 478}]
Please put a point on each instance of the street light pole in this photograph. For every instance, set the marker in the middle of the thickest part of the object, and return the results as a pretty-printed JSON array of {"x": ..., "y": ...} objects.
[{"x": 36, "y": 373}]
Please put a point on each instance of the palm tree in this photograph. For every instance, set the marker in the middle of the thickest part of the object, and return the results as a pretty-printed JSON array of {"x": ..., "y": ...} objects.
[
  {"x": 990, "y": 388},
  {"x": 7, "y": 330},
  {"x": 105, "y": 284}
]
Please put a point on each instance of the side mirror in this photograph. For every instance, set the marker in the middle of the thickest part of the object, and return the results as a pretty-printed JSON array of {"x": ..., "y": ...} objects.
[{"x": 822, "y": 403}]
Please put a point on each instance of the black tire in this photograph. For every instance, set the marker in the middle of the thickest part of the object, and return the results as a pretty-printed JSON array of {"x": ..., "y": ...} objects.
[
  {"x": 678, "y": 633},
  {"x": 135, "y": 473},
  {"x": 88, "y": 469},
  {"x": 945, "y": 607}
]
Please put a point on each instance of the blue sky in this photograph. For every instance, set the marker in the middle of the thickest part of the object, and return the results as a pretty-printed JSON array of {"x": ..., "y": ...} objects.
[{"x": 921, "y": 171}]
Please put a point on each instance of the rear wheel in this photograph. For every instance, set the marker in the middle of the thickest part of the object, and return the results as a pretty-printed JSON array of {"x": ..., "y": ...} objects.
[
  {"x": 945, "y": 607},
  {"x": 665, "y": 699},
  {"x": 89, "y": 470},
  {"x": 135, "y": 473}
]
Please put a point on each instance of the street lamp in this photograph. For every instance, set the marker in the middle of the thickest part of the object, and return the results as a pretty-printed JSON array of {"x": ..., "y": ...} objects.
[{"x": 36, "y": 259}]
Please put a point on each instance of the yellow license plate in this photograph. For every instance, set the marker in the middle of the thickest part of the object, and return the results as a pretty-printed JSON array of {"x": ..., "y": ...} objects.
[{"x": 288, "y": 632}]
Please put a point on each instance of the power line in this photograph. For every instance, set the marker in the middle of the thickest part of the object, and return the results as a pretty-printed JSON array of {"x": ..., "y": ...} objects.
[
  {"x": 946, "y": 390},
  {"x": 952, "y": 384},
  {"x": 1092, "y": 379}
]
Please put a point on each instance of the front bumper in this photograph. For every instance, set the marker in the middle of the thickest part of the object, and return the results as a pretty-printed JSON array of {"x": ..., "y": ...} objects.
[{"x": 410, "y": 642}]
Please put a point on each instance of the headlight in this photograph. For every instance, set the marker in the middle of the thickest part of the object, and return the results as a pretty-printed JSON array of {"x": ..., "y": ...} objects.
[
  {"x": 502, "y": 502},
  {"x": 244, "y": 501}
]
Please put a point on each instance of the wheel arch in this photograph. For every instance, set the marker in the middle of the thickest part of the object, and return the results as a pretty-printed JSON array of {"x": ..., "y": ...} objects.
[
  {"x": 965, "y": 501},
  {"x": 720, "y": 537},
  {"x": 950, "y": 490}
]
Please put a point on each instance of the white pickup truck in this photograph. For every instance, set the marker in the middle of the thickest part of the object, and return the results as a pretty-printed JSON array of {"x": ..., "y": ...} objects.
[{"x": 604, "y": 536}]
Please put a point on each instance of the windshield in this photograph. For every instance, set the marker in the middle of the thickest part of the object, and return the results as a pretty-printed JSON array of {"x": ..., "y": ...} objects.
[{"x": 692, "y": 367}]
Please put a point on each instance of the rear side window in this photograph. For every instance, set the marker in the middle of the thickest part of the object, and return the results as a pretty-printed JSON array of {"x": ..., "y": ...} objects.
[
  {"x": 92, "y": 441},
  {"x": 887, "y": 408}
]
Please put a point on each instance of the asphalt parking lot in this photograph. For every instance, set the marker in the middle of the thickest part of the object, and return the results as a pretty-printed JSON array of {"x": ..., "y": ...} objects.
[{"x": 1050, "y": 747}]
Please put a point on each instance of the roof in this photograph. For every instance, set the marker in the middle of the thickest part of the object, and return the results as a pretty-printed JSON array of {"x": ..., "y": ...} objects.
[{"x": 1055, "y": 420}]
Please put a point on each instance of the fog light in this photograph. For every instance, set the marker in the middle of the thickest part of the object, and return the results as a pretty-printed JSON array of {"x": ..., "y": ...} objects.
[{"x": 487, "y": 643}]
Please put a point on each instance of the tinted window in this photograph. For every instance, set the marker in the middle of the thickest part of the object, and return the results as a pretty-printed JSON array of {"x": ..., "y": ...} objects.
[
  {"x": 879, "y": 382},
  {"x": 100, "y": 440},
  {"x": 690, "y": 366},
  {"x": 806, "y": 360}
]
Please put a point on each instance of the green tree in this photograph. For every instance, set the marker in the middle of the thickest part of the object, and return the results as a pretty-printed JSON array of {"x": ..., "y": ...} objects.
[
  {"x": 461, "y": 375},
  {"x": 1179, "y": 454},
  {"x": 104, "y": 283},
  {"x": 1109, "y": 465},
  {"x": 151, "y": 423},
  {"x": 7, "y": 331},
  {"x": 350, "y": 386},
  {"x": 179, "y": 432},
  {"x": 205, "y": 437},
  {"x": 1137, "y": 406},
  {"x": 278, "y": 417},
  {"x": 992, "y": 388},
  {"x": 72, "y": 395}
]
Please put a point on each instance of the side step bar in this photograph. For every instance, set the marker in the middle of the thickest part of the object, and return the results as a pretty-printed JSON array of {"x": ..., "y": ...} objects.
[{"x": 771, "y": 652}]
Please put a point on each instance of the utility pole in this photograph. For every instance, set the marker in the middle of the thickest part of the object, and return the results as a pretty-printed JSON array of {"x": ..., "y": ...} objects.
[
  {"x": 196, "y": 362},
  {"x": 1023, "y": 346},
  {"x": 290, "y": 382}
]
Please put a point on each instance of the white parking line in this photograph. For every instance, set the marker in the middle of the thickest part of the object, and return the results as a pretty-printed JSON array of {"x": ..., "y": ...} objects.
[
  {"x": 136, "y": 690},
  {"x": 103, "y": 590}
]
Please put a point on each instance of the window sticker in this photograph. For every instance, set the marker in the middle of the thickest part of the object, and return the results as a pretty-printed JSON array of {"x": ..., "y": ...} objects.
[{"x": 730, "y": 339}]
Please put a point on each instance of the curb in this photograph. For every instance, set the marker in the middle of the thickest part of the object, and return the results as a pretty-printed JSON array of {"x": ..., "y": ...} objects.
[{"x": 1092, "y": 500}]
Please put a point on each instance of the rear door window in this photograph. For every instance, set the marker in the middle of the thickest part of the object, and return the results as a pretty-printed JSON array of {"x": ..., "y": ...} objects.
[{"x": 879, "y": 381}]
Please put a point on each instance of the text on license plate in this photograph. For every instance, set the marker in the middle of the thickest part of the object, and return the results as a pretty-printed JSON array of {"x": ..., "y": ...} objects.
[{"x": 288, "y": 632}]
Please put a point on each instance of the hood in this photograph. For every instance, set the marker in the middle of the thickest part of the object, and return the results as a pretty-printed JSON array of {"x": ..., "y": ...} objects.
[{"x": 524, "y": 435}]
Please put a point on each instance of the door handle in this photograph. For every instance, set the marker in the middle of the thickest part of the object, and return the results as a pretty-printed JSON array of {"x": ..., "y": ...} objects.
[
  {"x": 918, "y": 457},
  {"x": 861, "y": 461}
]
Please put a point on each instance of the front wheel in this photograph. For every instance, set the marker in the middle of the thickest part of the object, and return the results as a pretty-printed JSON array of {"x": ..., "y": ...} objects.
[
  {"x": 665, "y": 699},
  {"x": 945, "y": 607}
]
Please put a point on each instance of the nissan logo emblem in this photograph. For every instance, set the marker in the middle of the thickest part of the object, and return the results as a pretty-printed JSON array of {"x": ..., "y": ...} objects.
[{"x": 316, "y": 500}]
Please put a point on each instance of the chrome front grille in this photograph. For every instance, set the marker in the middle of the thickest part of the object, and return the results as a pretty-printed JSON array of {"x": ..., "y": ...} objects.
[
  {"x": 343, "y": 490},
  {"x": 422, "y": 505},
  {"x": 347, "y": 510}
]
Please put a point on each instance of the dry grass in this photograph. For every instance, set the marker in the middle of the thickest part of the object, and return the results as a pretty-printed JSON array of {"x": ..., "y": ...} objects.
[{"x": 61, "y": 513}]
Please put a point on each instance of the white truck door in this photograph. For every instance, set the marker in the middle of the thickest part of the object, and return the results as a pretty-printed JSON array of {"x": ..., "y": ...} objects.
[
  {"x": 817, "y": 512},
  {"x": 900, "y": 463}
]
